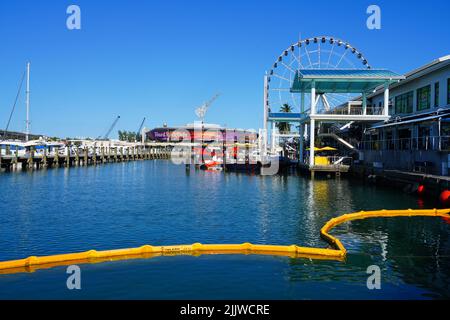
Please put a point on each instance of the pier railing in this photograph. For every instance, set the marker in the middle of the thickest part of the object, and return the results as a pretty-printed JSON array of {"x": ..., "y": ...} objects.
[
  {"x": 354, "y": 110},
  {"x": 433, "y": 143}
]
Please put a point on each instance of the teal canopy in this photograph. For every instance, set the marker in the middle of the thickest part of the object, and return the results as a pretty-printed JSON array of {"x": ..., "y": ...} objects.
[{"x": 342, "y": 80}]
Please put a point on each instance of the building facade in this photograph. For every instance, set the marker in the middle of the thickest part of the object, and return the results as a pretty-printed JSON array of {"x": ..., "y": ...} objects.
[
  {"x": 201, "y": 132},
  {"x": 417, "y": 136}
]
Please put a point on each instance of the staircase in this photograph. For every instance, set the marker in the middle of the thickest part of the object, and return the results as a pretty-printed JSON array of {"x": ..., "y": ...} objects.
[{"x": 338, "y": 139}]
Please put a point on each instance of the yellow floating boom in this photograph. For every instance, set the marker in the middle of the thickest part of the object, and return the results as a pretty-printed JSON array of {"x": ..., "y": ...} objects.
[{"x": 337, "y": 252}]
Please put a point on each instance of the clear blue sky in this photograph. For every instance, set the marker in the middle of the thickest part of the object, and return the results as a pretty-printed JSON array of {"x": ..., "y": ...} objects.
[{"x": 161, "y": 59}]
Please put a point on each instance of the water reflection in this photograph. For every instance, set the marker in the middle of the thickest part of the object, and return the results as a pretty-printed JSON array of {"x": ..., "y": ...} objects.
[{"x": 131, "y": 204}]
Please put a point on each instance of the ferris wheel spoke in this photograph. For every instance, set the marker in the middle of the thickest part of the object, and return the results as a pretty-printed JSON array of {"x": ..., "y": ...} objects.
[
  {"x": 318, "y": 53},
  {"x": 288, "y": 67},
  {"x": 281, "y": 77},
  {"x": 298, "y": 60},
  {"x": 340, "y": 60},
  {"x": 331, "y": 53},
  {"x": 307, "y": 54},
  {"x": 336, "y": 101},
  {"x": 280, "y": 89}
]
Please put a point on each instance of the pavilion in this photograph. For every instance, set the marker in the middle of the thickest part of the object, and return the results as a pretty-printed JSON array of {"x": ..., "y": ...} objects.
[{"x": 319, "y": 82}]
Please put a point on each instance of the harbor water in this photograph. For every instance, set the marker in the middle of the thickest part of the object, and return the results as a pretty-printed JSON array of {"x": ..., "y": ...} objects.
[{"x": 124, "y": 205}]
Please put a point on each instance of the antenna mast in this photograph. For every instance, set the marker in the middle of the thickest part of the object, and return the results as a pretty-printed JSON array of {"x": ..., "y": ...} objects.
[{"x": 27, "y": 123}]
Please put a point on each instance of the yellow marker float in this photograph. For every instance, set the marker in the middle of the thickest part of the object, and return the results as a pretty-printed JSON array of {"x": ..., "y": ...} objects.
[{"x": 337, "y": 252}]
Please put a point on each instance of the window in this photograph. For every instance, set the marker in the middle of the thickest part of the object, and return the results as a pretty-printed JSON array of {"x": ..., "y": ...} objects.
[
  {"x": 423, "y": 98},
  {"x": 436, "y": 94},
  {"x": 424, "y": 137},
  {"x": 404, "y": 139},
  {"x": 448, "y": 91},
  {"x": 404, "y": 103}
]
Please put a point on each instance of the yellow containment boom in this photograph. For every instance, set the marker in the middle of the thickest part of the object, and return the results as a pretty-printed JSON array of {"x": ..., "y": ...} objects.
[{"x": 336, "y": 252}]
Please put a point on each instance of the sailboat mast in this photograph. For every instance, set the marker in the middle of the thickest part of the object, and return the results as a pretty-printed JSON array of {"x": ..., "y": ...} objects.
[{"x": 27, "y": 132}]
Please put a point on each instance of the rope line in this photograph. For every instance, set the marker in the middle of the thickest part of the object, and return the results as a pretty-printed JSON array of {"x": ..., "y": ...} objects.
[{"x": 14, "y": 106}]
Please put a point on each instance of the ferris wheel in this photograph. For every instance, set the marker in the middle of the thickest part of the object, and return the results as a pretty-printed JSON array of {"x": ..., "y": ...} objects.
[{"x": 312, "y": 53}]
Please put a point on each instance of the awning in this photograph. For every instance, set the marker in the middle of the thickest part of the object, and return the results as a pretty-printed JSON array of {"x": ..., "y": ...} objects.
[
  {"x": 342, "y": 80},
  {"x": 323, "y": 149},
  {"x": 285, "y": 116}
]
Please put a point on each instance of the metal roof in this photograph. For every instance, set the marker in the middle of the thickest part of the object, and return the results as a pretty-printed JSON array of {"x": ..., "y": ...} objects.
[
  {"x": 343, "y": 80},
  {"x": 443, "y": 113},
  {"x": 379, "y": 74},
  {"x": 418, "y": 73},
  {"x": 408, "y": 121}
]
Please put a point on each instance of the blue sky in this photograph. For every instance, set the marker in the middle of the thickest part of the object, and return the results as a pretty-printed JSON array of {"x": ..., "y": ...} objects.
[{"x": 161, "y": 59}]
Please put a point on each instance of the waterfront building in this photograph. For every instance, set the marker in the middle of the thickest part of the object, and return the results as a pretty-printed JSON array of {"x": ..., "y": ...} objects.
[
  {"x": 417, "y": 135},
  {"x": 374, "y": 117},
  {"x": 198, "y": 131}
]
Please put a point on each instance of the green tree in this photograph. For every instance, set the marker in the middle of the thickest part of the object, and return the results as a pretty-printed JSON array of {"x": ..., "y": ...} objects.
[{"x": 285, "y": 127}]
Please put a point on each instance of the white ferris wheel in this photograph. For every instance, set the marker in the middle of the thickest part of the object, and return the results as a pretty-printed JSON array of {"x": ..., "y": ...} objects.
[{"x": 313, "y": 53}]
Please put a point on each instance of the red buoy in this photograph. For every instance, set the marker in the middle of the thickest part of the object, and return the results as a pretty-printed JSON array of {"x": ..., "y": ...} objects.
[
  {"x": 445, "y": 197},
  {"x": 421, "y": 189}
]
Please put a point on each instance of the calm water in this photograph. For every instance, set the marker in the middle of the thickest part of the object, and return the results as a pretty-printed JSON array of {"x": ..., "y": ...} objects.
[{"x": 158, "y": 203}]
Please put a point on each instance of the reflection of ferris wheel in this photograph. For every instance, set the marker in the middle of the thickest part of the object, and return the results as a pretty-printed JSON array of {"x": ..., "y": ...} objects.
[{"x": 313, "y": 53}]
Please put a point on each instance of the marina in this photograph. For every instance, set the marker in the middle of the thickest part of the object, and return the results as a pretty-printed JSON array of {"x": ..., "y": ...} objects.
[
  {"x": 299, "y": 209},
  {"x": 302, "y": 160}
]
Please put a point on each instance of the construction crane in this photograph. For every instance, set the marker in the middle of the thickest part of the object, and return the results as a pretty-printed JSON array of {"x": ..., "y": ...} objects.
[
  {"x": 138, "y": 133},
  {"x": 201, "y": 111},
  {"x": 105, "y": 137}
]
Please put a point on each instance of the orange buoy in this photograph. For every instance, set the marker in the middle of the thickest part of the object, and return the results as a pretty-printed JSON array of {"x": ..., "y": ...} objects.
[
  {"x": 445, "y": 197},
  {"x": 421, "y": 189}
]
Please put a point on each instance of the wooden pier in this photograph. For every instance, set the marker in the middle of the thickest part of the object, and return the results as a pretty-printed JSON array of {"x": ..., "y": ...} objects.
[{"x": 46, "y": 158}]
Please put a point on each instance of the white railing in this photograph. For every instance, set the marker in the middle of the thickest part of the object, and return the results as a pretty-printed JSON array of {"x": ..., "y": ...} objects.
[{"x": 436, "y": 143}]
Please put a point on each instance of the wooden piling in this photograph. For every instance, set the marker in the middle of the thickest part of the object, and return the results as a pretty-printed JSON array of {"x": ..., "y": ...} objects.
[
  {"x": 67, "y": 156},
  {"x": 44, "y": 158},
  {"x": 30, "y": 161}
]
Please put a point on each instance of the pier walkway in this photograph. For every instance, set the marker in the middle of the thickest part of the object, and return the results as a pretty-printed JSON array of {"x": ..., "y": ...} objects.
[{"x": 32, "y": 160}]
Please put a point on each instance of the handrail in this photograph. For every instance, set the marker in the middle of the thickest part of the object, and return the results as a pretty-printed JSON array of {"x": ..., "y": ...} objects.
[{"x": 337, "y": 252}]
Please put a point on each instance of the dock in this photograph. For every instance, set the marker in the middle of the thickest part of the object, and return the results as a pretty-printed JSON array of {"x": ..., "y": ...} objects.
[
  {"x": 335, "y": 169},
  {"x": 33, "y": 160}
]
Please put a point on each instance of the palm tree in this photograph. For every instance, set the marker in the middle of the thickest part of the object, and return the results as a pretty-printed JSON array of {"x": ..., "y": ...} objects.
[{"x": 284, "y": 127}]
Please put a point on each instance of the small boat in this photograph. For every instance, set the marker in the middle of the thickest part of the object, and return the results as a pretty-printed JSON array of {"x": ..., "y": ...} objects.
[{"x": 213, "y": 164}]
